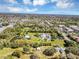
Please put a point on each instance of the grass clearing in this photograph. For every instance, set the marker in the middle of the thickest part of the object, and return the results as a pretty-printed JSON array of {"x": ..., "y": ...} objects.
[{"x": 7, "y": 51}]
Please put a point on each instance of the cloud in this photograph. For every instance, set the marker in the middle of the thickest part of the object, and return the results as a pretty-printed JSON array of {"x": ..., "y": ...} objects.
[
  {"x": 36, "y": 2},
  {"x": 64, "y": 3},
  {"x": 18, "y": 10},
  {"x": 54, "y": 0},
  {"x": 27, "y": 1},
  {"x": 39, "y": 2},
  {"x": 31, "y": 10},
  {"x": 14, "y": 9},
  {"x": 59, "y": 3},
  {"x": 11, "y": 1}
]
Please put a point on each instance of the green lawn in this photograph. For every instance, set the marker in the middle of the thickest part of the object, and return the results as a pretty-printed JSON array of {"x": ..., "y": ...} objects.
[{"x": 58, "y": 42}]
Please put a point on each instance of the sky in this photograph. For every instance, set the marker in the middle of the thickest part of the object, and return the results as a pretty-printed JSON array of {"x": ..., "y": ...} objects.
[{"x": 66, "y": 7}]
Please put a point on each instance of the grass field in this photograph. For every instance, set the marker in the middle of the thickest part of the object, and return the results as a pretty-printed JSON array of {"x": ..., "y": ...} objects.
[{"x": 7, "y": 51}]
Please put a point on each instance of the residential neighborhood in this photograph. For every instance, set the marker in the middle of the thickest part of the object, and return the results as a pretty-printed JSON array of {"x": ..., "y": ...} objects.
[{"x": 39, "y": 37}]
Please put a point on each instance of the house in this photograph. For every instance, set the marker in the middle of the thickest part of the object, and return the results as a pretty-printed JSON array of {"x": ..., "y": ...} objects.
[
  {"x": 65, "y": 29},
  {"x": 0, "y": 25},
  {"x": 77, "y": 39},
  {"x": 38, "y": 49},
  {"x": 68, "y": 30},
  {"x": 60, "y": 26},
  {"x": 27, "y": 37},
  {"x": 76, "y": 28},
  {"x": 60, "y": 49},
  {"x": 45, "y": 36}
]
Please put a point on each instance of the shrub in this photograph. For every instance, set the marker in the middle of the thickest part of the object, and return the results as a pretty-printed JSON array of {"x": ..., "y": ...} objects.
[
  {"x": 5, "y": 24},
  {"x": 49, "y": 51},
  {"x": 14, "y": 45},
  {"x": 1, "y": 46},
  {"x": 73, "y": 50},
  {"x": 35, "y": 45},
  {"x": 67, "y": 50},
  {"x": 45, "y": 44},
  {"x": 34, "y": 57},
  {"x": 70, "y": 43},
  {"x": 21, "y": 42},
  {"x": 70, "y": 56},
  {"x": 78, "y": 52},
  {"x": 16, "y": 54},
  {"x": 26, "y": 49}
]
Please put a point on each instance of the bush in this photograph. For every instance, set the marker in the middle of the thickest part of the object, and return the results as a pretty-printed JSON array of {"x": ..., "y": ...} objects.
[
  {"x": 16, "y": 54},
  {"x": 49, "y": 51},
  {"x": 21, "y": 42},
  {"x": 6, "y": 44},
  {"x": 73, "y": 50},
  {"x": 26, "y": 49},
  {"x": 14, "y": 45},
  {"x": 77, "y": 52},
  {"x": 5, "y": 24},
  {"x": 1, "y": 46},
  {"x": 67, "y": 50},
  {"x": 34, "y": 57},
  {"x": 70, "y": 43},
  {"x": 70, "y": 56},
  {"x": 35, "y": 45},
  {"x": 45, "y": 44}
]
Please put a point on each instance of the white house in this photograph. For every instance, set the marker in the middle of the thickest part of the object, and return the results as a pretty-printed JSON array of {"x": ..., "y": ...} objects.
[
  {"x": 45, "y": 36},
  {"x": 27, "y": 37}
]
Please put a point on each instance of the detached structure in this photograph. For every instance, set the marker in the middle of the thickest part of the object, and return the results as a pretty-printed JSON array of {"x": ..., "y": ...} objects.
[
  {"x": 65, "y": 29},
  {"x": 75, "y": 28},
  {"x": 0, "y": 25},
  {"x": 27, "y": 37},
  {"x": 77, "y": 39},
  {"x": 45, "y": 36}
]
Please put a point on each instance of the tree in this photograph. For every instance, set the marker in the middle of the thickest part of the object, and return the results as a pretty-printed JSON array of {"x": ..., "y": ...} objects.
[
  {"x": 70, "y": 43},
  {"x": 35, "y": 45},
  {"x": 26, "y": 49},
  {"x": 14, "y": 45},
  {"x": 73, "y": 50},
  {"x": 34, "y": 57},
  {"x": 16, "y": 54},
  {"x": 49, "y": 51},
  {"x": 71, "y": 56},
  {"x": 54, "y": 35},
  {"x": 1, "y": 46},
  {"x": 5, "y": 24}
]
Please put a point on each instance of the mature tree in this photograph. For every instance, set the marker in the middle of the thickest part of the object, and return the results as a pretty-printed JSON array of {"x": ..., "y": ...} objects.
[
  {"x": 49, "y": 51},
  {"x": 34, "y": 57}
]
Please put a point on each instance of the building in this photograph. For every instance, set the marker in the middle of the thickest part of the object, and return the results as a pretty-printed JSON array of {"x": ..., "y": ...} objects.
[
  {"x": 0, "y": 25},
  {"x": 65, "y": 29},
  {"x": 75, "y": 28},
  {"x": 77, "y": 39},
  {"x": 27, "y": 37},
  {"x": 45, "y": 36}
]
